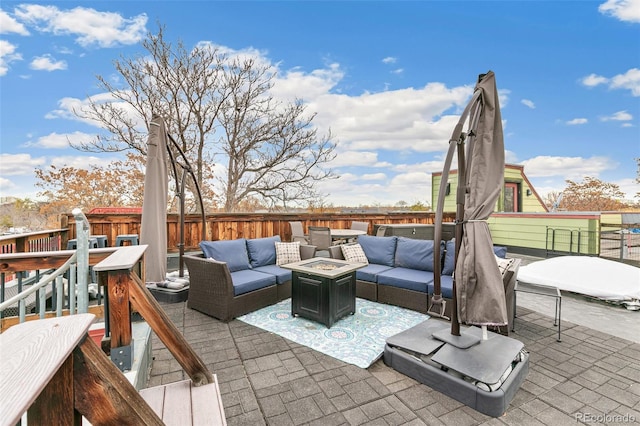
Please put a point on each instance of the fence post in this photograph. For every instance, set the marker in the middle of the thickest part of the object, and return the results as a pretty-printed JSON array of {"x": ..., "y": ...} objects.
[{"x": 82, "y": 238}]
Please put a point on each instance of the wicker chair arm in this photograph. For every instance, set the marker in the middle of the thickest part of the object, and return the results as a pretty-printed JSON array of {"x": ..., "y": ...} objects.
[{"x": 209, "y": 276}]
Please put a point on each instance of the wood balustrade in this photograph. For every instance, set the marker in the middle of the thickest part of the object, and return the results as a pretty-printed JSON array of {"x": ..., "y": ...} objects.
[
  {"x": 57, "y": 375},
  {"x": 229, "y": 226}
]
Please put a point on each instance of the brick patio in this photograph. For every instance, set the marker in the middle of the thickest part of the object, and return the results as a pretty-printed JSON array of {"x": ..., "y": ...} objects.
[{"x": 268, "y": 380}]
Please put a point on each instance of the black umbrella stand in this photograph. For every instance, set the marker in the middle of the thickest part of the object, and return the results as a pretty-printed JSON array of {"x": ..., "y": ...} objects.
[
  {"x": 482, "y": 374},
  {"x": 182, "y": 162}
]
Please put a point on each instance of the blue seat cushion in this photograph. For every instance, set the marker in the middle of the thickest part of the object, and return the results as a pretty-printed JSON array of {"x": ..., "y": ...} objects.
[
  {"x": 380, "y": 250},
  {"x": 446, "y": 286},
  {"x": 282, "y": 275},
  {"x": 262, "y": 251},
  {"x": 370, "y": 272},
  {"x": 411, "y": 279},
  {"x": 449, "y": 257},
  {"x": 415, "y": 254},
  {"x": 247, "y": 280}
]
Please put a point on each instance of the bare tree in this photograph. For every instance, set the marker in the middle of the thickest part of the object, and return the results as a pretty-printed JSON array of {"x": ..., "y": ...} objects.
[{"x": 218, "y": 108}]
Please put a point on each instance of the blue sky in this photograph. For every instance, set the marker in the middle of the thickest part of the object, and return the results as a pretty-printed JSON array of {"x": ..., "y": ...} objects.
[{"x": 389, "y": 79}]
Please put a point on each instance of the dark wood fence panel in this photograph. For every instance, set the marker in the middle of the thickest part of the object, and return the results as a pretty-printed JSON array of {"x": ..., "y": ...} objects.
[{"x": 229, "y": 226}]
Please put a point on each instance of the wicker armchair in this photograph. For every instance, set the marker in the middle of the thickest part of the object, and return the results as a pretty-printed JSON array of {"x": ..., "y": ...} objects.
[
  {"x": 211, "y": 291},
  {"x": 211, "y": 288}
]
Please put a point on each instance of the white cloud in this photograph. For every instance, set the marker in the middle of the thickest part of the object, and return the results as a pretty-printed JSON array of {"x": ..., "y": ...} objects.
[
  {"x": 373, "y": 176},
  {"x": 80, "y": 161},
  {"x": 67, "y": 106},
  {"x": 389, "y": 60},
  {"x": 9, "y": 25},
  {"x": 528, "y": 103},
  {"x": 624, "y": 10},
  {"x": 6, "y": 185},
  {"x": 47, "y": 63},
  {"x": 593, "y": 80},
  {"x": 89, "y": 26},
  {"x": 418, "y": 120},
  {"x": 60, "y": 141},
  {"x": 618, "y": 116},
  {"x": 7, "y": 55},
  {"x": 630, "y": 80},
  {"x": 577, "y": 121},
  {"x": 629, "y": 186},
  {"x": 355, "y": 159},
  {"x": 19, "y": 164},
  {"x": 567, "y": 167},
  {"x": 398, "y": 71}
]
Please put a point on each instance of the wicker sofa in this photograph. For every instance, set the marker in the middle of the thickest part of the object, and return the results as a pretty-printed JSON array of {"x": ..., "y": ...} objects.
[
  {"x": 235, "y": 277},
  {"x": 400, "y": 272}
]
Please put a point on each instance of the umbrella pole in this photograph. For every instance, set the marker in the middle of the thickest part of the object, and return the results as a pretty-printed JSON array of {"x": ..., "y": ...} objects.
[{"x": 459, "y": 231}]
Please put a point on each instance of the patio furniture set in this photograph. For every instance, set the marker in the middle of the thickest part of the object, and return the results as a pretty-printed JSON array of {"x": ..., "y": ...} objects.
[{"x": 232, "y": 278}]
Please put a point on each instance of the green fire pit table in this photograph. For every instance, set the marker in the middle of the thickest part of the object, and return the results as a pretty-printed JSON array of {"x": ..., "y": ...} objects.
[{"x": 323, "y": 290}]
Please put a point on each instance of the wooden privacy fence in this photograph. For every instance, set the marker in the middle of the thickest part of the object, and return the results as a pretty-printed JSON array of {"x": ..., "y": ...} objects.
[{"x": 228, "y": 226}]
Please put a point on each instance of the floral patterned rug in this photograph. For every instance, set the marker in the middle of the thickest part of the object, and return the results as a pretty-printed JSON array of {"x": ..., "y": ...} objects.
[{"x": 357, "y": 339}]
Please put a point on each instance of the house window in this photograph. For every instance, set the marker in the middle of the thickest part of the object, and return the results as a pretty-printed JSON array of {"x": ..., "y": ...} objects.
[{"x": 511, "y": 197}]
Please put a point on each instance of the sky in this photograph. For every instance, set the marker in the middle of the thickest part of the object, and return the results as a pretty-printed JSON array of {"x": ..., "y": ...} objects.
[{"x": 388, "y": 78}]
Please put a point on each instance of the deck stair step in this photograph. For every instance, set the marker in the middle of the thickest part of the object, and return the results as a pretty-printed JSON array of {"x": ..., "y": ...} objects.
[{"x": 182, "y": 403}]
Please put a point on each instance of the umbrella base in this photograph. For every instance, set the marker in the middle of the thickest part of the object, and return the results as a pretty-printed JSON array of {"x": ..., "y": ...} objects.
[
  {"x": 485, "y": 377},
  {"x": 167, "y": 295}
]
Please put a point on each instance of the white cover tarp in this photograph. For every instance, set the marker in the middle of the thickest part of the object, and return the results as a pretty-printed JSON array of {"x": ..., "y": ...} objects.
[{"x": 592, "y": 276}]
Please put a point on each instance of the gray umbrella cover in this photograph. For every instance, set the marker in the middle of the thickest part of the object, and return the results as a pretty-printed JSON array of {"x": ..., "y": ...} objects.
[
  {"x": 480, "y": 292},
  {"x": 153, "y": 230}
]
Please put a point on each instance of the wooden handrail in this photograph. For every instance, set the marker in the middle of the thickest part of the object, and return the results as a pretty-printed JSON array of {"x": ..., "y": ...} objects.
[
  {"x": 52, "y": 371},
  {"x": 126, "y": 289}
]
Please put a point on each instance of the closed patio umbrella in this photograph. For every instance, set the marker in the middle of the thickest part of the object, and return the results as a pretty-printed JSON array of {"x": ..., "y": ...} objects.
[
  {"x": 153, "y": 230},
  {"x": 478, "y": 298},
  {"x": 479, "y": 287}
]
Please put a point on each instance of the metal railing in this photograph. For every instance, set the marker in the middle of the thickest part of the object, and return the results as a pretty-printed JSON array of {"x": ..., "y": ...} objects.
[
  {"x": 48, "y": 283},
  {"x": 562, "y": 241},
  {"x": 620, "y": 242}
]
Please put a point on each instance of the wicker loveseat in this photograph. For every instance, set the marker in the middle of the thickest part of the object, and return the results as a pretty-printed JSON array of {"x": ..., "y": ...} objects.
[
  {"x": 400, "y": 272},
  {"x": 235, "y": 277}
]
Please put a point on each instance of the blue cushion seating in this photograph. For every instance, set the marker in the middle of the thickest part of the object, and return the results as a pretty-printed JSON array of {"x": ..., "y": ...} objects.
[
  {"x": 446, "y": 286},
  {"x": 251, "y": 262},
  {"x": 262, "y": 251},
  {"x": 232, "y": 252},
  {"x": 410, "y": 279},
  {"x": 248, "y": 280},
  {"x": 379, "y": 250},
  {"x": 449, "y": 257},
  {"x": 282, "y": 275},
  {"x": 415, "y": 254},
  {"x": 370, "y": 272}
]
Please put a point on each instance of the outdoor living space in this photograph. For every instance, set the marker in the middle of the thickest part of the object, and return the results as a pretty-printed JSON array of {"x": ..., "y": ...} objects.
[{"x": 591, "y": 376}]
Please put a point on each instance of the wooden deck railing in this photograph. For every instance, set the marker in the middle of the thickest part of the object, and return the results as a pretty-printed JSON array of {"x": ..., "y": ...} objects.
[
  {"x": 56, "y": 375},
  {"x": 229, "y": 226},
  {"x": 18, "y": 263}
]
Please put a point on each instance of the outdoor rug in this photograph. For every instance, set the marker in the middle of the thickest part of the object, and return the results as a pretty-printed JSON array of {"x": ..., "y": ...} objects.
[{"x": 357, "y": 339}]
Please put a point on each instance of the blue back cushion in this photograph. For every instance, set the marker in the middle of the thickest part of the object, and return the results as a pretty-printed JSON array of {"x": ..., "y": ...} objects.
[
  {"x": 380, "y": 250},
  {"x": 262, "y": 251},
  {"x": 500, "y": 251},
  {"x": 414, "y": 254},
  {"x": 449, "y": 257},
  {"x": 233, "y": 252}
]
